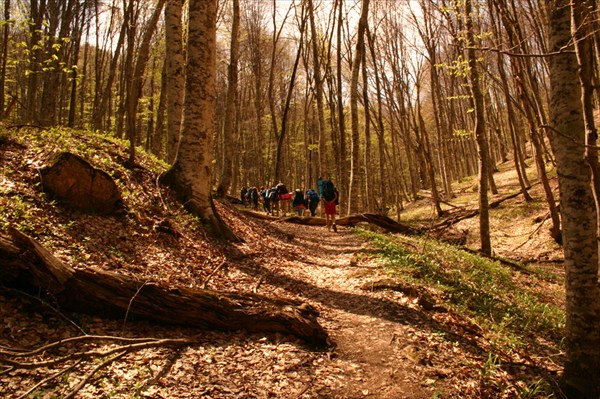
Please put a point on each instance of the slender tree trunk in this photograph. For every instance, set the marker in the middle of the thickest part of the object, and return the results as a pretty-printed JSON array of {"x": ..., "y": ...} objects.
[
  {"x": 5, "y": 34},
  {"x": 134, "y": 91},
  {"x": 35, "y": 54},
  {"x": 353, "y": 190},
  {"x": 74, "y": 76},
  {"x": 318, "y": 88},
  {"x": 341, "y": 165},
  {"x": 284, "y": 119},
  {"x": 581, "y": 376},
  {"x": 368, "y": 159},
  {"x": 480, "y": 135},
  {"x": 517, "y": 159},
  {"x": 103, "y": 92},
  {"x": 159, "y": 130},
  {"x": 541, "y": 167},
  {"x": 380, "y": 127},
  {"x": 230, "y": 107}
]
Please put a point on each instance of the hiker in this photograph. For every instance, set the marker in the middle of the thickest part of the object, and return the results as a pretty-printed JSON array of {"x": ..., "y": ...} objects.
[
  {"x": 284, "y": 196},
  {"x": 274, "y": 198},
  {"x": 266, "y": 199},
  {"x": 312, "y": 200},
  {"x": 243, "y": 193},
  {"x": 253, "y": 197},
  {"x": 330, "y": 200},
  {"x": 298, "y": 202}
]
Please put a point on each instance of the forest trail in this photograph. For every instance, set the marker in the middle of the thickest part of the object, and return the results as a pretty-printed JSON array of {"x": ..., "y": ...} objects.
[{"x": 374, "y": 336}]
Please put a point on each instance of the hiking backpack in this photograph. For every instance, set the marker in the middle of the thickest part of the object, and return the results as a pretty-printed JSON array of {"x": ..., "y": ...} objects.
[
  {"x": 313, "y": 197},
  {"x": 328, "y": 190}
]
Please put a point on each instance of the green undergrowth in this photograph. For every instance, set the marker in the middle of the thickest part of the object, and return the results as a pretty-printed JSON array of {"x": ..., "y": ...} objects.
[{"x": 513, "y": 307}]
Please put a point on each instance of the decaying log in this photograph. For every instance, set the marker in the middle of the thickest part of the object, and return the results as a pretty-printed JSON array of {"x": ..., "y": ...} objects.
[{"x": 26, "y": 262}]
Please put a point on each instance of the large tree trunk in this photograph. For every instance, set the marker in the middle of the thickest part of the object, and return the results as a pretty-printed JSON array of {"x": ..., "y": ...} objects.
[
  {"x": 175, "y": 74},
  {"x": 581, "y": 376},
  {"x": 582, "y": 18},
  {"x": 27, "y": 264},
  {"x": 190, "y": 175}
]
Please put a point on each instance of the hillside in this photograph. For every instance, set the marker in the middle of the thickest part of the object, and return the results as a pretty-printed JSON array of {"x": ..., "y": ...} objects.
[{"x": 407, "y": 317}]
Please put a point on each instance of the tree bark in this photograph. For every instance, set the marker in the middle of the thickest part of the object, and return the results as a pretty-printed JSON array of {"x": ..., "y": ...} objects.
[
  {"x": 3, "y": 61},
  {"x": 190, "y": 175},
  {"x": 581, "y": 376},
  {"x": 353, "y": 190},
  {"x": 230, "y": 106},
  {"x": 134, "y": 86},
  {"x": 91, "y": 291},
  {"x": 175, "y": 74},
  {"x": 480, "y": 135}
]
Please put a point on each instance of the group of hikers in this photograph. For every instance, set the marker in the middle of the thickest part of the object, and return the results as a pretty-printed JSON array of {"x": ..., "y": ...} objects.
[{"x": 276, "y": 199}]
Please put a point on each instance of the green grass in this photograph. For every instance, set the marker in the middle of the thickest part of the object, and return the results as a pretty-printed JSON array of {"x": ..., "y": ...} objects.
[{"x": 490, "y": 294}]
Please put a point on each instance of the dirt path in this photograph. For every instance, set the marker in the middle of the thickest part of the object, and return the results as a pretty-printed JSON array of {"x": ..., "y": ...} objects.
[{"x": 375, "y": 335}]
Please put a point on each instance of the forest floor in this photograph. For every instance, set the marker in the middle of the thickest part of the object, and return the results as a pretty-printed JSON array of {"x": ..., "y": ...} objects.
[{"x": 384, "y": 344}]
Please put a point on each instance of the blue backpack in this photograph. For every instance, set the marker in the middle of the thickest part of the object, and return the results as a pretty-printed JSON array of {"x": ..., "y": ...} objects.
[{"x": 313, "y": 197}]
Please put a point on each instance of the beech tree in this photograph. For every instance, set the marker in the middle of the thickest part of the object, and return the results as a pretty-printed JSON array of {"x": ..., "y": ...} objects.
[
  {"x": 190, "y": 175},
  {"x": 581, "y": 376},
  {"x": 480, "y": 134},
  {"x": 174, "y": 74}
]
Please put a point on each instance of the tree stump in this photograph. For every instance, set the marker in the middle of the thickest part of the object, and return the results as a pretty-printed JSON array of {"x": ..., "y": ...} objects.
[{"x": 73, "y": 180}]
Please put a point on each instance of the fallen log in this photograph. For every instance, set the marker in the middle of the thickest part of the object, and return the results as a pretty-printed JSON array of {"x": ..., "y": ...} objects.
[
  {"x": 382, "y": 221},
  {"x": 25, "y": 262}
]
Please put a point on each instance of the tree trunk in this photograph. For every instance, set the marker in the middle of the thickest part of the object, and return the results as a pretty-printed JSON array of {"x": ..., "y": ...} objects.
[
  {"x": 582, "y": 19},
  {"x": 175, "y": 74},
  {"x": 353, "y": 189},
  {"x": 230, "y": 109},
  {"x": 341, "y": 164},
  {"x": 190, "y": 175},
  {"x": 581, "y": 376},
  {"x": 480, "y": 135},
  {"x": 3, "y": 61},
  {"x": 103, "y": 92},
  {"x": 318, "y": 88},
  {"x": 134, "y": 91},
  {"x": 284, "y": 119},
  {"x": 102, "y": 293}
]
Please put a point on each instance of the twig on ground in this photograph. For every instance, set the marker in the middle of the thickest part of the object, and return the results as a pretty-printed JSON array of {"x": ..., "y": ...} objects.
[
  {"x": 88, "y": 377},
  {"x": 207, "y": 279},
  {"x": 74, "y": 339},
  {"x": 92, "y": 353},
  {"x": 129, "y": 306},
  {"x": 50, "y": 378},
  {"x": 259, "y": 283}
]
